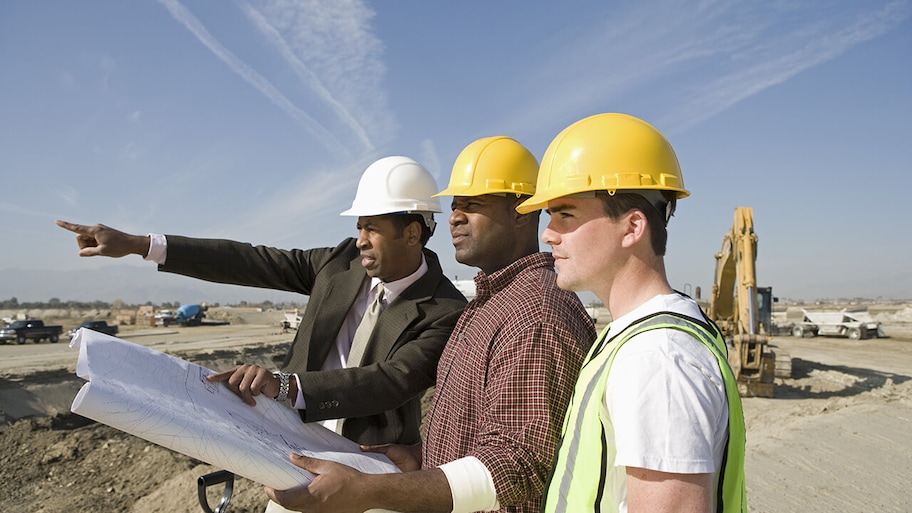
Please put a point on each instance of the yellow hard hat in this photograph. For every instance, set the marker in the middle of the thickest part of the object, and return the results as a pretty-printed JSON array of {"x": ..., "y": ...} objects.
[
  {"x": 606, "y": 152},
  {"x": 492, "y": 165}
]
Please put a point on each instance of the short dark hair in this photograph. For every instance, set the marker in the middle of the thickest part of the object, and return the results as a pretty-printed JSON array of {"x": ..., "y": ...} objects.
[
  {"x": 618, "y": 204},
  {"x": 401, "y": 222}
]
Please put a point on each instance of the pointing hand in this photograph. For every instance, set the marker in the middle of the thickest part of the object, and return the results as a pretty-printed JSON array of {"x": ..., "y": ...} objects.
[{"x": 100, "y": 240}]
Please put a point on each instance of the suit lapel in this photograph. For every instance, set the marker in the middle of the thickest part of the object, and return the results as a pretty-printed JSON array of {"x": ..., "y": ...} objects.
[
  {"x": 331, "y": 313},
  {"x": 399, "y": 315}
]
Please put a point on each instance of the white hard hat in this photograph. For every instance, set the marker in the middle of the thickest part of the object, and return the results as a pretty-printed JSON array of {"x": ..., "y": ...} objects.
[{"x": 396, "y": 185}]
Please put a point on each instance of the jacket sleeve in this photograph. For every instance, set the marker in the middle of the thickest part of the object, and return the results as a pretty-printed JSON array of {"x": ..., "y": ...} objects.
[{"x": 240, "y": 263}]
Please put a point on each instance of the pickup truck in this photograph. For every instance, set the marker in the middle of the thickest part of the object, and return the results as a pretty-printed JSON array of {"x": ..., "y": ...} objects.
[
  {"x": 30, "y": 329},
  {"x": 99, "y": 326}
]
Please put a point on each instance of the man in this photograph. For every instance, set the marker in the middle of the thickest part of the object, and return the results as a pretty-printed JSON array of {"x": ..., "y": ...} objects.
[
  {"x": 504, "y": 379},
  {"x": 655, "y": 423},
  {"x": 379, "y": 394}
]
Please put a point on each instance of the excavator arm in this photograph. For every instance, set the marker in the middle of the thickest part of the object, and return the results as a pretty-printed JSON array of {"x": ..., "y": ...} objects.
[{"x": 733, "y": 306}]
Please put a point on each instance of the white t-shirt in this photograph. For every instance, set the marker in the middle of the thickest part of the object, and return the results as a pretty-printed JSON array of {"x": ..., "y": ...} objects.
[{"x": 666, "y": 400}]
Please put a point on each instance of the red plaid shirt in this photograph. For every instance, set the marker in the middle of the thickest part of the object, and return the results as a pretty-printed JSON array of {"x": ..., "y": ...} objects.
[{"x": 506, "y": 376}]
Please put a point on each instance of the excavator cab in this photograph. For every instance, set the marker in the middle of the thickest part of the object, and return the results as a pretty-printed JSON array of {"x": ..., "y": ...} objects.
[{"x": 765, "y": 300}]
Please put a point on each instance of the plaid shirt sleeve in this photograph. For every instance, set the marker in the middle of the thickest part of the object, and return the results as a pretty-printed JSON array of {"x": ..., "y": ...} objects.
[{"x": 530, "y": 380}]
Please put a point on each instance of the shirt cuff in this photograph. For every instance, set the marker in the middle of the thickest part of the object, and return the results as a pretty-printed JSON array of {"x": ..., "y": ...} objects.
[
  {"x": 158, "y": 248},
  {"x": 298, "y": 402},
  {"x": 471, "y": 485}
]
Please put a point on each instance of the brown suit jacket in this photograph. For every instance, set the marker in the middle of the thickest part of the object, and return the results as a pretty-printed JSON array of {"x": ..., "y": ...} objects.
[{"x": 380, "y": 400}]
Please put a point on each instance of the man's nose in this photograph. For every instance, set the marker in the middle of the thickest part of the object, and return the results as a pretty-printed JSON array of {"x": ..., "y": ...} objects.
[
  {"x": 457, "y": 217},
  {"x": 362, "y": 242},
  {"x": 549, "y": 236}
]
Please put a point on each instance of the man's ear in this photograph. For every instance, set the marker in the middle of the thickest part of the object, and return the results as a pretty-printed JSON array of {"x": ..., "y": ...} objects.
[
  {"x": 637, "y": 227},
  {"x": 524, "y": 219},
  {"x": 413, "y": 233}
]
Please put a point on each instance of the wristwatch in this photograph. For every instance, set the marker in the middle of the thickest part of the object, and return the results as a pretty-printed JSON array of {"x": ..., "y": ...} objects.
[{"x": 284, "y": 379}]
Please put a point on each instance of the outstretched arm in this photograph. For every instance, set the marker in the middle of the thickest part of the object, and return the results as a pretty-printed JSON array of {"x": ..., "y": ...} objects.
[{"x": 100, "y": 240}]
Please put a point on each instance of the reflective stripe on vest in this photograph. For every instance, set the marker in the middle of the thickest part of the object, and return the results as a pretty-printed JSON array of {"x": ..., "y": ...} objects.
[{"x": 580, "y": 469}]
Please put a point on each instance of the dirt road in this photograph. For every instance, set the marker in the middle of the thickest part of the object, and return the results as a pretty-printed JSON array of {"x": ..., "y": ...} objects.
[
  {"x": 30, "y": 357},
  {"x": 838, "y": 436}
]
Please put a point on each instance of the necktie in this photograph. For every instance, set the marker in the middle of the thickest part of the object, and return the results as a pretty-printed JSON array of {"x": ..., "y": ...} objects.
[{"x": 363, "y": 333}]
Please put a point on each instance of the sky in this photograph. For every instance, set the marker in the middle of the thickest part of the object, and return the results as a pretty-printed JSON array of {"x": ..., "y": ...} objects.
[{"x": 253, "y": 120}]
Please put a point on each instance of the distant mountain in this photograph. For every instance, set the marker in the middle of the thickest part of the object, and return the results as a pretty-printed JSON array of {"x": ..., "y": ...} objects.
[{"x": 131, "y": 284}]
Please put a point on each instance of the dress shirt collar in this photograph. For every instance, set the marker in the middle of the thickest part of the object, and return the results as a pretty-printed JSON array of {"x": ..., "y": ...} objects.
[
  {"x": 394, "y": 288},
  {"x": 486, "y": 286}
]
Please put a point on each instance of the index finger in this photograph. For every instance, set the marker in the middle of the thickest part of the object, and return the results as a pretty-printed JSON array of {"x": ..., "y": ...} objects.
[
  {"x": 221, "y": 376},
  {"x": 76, "y": 228}
]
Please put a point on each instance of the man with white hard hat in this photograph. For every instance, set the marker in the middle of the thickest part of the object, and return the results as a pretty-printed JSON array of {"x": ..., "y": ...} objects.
[{"x": 375, "y": 385}]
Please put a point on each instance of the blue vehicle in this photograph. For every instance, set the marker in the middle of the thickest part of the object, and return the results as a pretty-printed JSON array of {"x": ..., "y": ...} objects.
[{"x": 190, "y": 315}]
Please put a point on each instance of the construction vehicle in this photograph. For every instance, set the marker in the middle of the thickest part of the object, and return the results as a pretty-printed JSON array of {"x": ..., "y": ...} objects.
[
  {"x": 292, "y": 319},
  {"x": 855, "y": 325},
  {"x": 191, "y": 315},
  {"x": 187, "y": 315},
  {"x": 743, "y": 311}
]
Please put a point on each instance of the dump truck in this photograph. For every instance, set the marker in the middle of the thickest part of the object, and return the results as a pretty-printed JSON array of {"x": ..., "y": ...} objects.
[
  {"x": 843, "y": 323},
  {"x": 292, "y": 319},
  {"x": 743, "y": 311}
]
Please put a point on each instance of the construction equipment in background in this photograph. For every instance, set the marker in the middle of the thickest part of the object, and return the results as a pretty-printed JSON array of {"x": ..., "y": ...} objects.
[
  {"x": 292, "y": 319},
  {"x": 187, "y": 315},
  {"x": 191, "y": 315},
  {"x": 743, "y": 311},
  {"x": 855, "y": 325}
]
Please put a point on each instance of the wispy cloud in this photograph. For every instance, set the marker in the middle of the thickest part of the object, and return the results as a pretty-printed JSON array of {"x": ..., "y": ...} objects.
[
  {"x": 334, "y": 51},
  {"x": 431, "y": 160},
  {"x": 13, "y": 208},
  {"x": 301, "y": 70},
  {"x": 700, "y": 58},
  {"x": 186, "y": 18},
  {"x": 304, "y": 209},
  {"x": 813, "y": 42},
  {"x": 68, "y": 195}
]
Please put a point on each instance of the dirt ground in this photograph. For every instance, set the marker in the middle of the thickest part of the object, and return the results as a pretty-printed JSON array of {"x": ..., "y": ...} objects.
[{"x": 837, "y": 436}]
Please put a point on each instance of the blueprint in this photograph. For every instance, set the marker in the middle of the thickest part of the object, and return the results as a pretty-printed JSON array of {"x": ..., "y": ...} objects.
[{"x": 167, "y": 401}]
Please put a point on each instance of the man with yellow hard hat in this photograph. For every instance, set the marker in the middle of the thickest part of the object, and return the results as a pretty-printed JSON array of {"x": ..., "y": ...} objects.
[{"x": 655, "y": 423}]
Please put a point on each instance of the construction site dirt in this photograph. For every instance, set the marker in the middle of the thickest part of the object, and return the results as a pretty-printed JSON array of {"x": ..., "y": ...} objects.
[{"x": 836, "y": 436}]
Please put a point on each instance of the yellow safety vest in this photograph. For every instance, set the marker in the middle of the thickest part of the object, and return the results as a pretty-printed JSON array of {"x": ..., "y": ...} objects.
[{"x": 580, "y": 467}]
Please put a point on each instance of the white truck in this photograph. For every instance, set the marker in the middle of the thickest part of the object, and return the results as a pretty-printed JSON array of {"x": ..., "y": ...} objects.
[
  {"x": 292, "y": 319},
  {"x": 855, "y": 325}
]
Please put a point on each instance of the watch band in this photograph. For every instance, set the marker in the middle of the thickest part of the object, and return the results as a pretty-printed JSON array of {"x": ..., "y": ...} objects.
[{"x": 284, "y": 381}]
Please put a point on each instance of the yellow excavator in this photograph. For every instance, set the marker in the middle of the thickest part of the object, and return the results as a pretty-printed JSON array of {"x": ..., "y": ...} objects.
[{"x": 743, "y": 311}]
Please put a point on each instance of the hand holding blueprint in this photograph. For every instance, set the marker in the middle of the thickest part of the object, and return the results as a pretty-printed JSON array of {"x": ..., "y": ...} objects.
[{"x": 167, "y": 401}]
